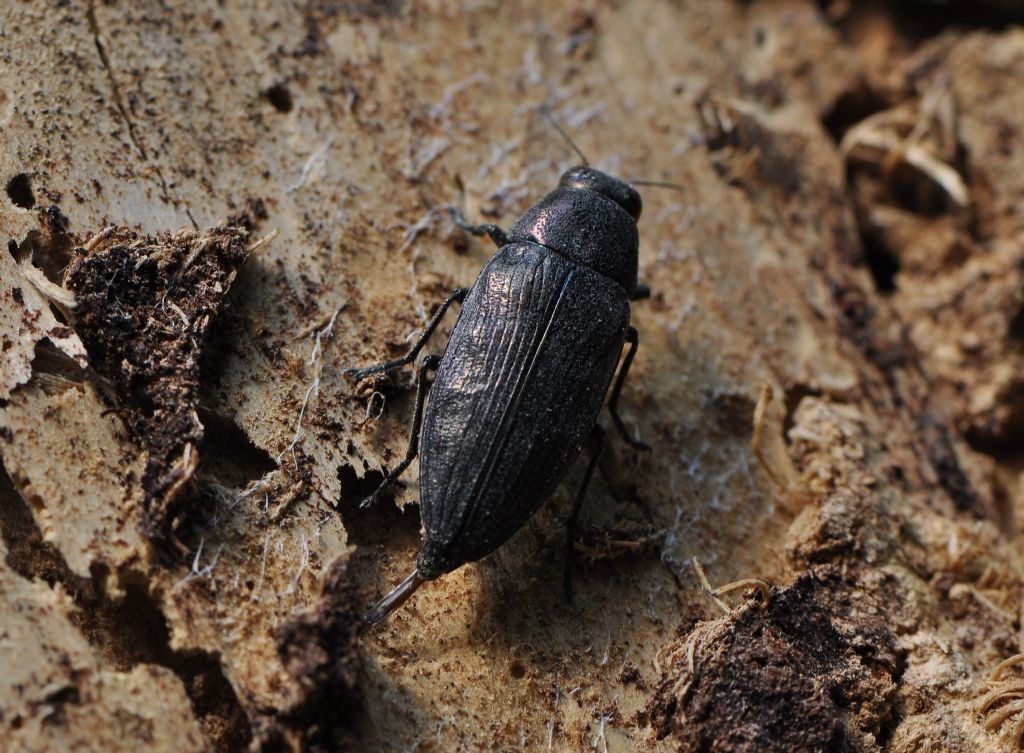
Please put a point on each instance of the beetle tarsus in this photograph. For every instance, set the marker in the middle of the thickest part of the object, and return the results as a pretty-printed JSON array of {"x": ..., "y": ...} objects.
[
  {"x": 430, "y": 363},
  {"x": 398, "y": 596},
  {"x": 633, "y": 338}
]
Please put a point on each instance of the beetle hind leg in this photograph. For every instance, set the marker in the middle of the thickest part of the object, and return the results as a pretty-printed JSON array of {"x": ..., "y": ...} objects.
[
  {"x": 597, "y": 436},
  {"x": 459, "y": 295},
  {"x": 633, "y": 338},
  {"x": 430, "y": 363}
]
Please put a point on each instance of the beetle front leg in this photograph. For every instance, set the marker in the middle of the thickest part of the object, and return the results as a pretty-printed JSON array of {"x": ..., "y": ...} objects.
[
  {"x": 495, "y": 233},
  {"x": 430, "y": 363},
  {"x": 597, "y": 436},
  {"x": 458, "y": 295},
  {"x": 633, "y": 338}
]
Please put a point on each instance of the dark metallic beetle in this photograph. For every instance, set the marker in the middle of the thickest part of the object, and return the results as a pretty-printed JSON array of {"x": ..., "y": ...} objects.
[{"x": 525, "y": 372}]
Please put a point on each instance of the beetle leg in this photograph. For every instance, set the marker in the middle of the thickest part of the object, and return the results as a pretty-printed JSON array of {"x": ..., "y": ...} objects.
[
  {"x": 597, "y": 436},
  {"x": 642, "y": 292},
  {"x": 633, "y": 338},
  {"x": 459, "y": 294},
  {"x": 430, "y": 363},
  {"x": 495, "y": 233}
]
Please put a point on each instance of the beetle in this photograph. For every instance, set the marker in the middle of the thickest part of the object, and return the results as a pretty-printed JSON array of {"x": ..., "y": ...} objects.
[{"x": 524, "y": 374}]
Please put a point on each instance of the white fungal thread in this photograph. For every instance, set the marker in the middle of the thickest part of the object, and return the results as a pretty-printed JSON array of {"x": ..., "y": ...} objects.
[
  {"x": 316, "y": 361},
  {"x": 622, "y": 667},
  {"x": 499, "y": 153},
  {"x": 201, "y": 572},
  {"x": 600, "y": 736},
  {"x": 422, "y": 159},
  {"x": 672, "y": 538},
  {"x": 412, "y": 232},
  {"x": 441, "y": 108},
  {"x": 294, "y": 584},
  {"x": 607, "y": 651},
  {"x": 320, "y": 155},
  {"x": 581, "y": 117},
  {"x": 531, "y": 70},
  {"x": 515, "y": 189},
  {"x": 259, "y": 485},
  {"x": 263, "y": 568}
]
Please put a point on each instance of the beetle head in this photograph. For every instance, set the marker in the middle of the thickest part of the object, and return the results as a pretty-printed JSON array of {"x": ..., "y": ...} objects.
[
  {"x": 591, "y": 219},
  {"x": 617, "y": 190}
]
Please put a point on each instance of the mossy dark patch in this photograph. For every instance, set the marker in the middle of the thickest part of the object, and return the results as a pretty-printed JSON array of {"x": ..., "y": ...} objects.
[
  {"x": 144, "y": 309},
  {"x": 797, "y": 676},
  {"x": 318, "y": 649}
]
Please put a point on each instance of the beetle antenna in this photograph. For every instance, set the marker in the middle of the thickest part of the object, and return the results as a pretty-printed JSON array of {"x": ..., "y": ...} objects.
[
  {"x": 550, "y": 118},
  {"x": 395, "y": 599},
  {"x": 656, "y": 183}
]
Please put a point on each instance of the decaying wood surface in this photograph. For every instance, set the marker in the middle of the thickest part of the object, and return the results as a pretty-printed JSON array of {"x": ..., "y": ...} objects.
[{"x": 212, "y": 209}]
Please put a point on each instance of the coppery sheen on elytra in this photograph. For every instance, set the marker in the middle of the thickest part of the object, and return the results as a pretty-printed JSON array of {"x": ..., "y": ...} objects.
[{"x": 524, "y": 373}]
